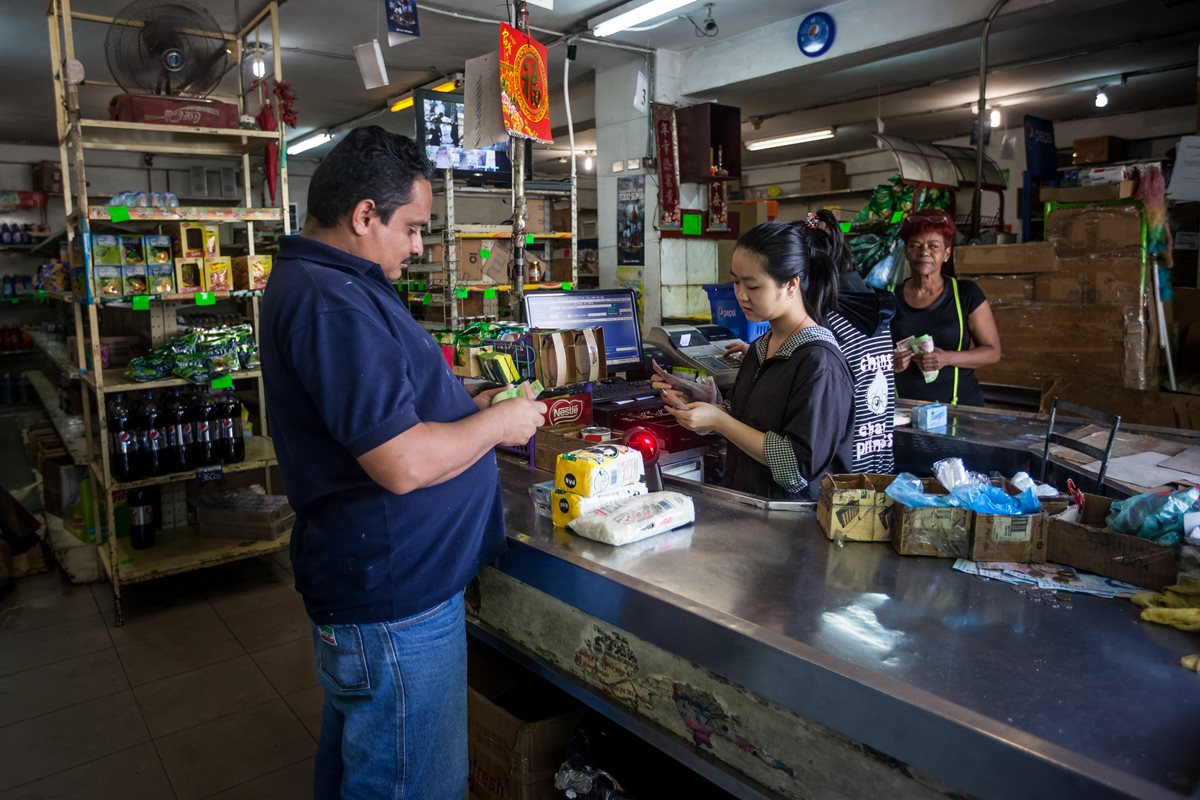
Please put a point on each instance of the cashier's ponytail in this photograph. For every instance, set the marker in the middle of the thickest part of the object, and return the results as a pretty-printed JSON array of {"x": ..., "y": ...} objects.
[{"x": 788, "y": 251}]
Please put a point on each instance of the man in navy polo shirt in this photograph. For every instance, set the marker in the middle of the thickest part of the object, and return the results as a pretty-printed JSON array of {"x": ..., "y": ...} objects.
[{"x": 388, "y": 464}]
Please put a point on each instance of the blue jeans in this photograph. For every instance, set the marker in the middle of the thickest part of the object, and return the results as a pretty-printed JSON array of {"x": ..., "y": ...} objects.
[{"x": 395, "y": 717}]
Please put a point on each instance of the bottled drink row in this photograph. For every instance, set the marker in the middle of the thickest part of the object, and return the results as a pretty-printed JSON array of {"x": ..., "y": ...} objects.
[{"x": 181, "y": 431}]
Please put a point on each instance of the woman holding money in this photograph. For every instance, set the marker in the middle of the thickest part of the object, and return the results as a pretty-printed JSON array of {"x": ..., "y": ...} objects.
[{"x": 943, "y": 326}]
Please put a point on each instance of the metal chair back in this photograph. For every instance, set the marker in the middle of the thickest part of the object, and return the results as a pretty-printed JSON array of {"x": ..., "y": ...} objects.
[{"x": 1111, "y": 421}]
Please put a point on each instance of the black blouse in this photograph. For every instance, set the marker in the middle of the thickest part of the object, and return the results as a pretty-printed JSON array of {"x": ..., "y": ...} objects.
[{"x": 802, "y": 398}]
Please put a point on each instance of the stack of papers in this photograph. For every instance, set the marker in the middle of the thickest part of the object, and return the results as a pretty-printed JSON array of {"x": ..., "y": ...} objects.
[{"x": 1056, "y": 577}]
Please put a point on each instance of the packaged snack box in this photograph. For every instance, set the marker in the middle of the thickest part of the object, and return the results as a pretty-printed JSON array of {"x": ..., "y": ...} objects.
[
  {"x": 132, "y": 252},
  {"x": 189, "y": 275},
  {"x": 162, "y": 278},
  {"x": 212, "y": 241},
  {"x": 190, "y": 242},
  {"x": 134, "y": 279},
  {"x": 217, "y": 274},
  {"x": 566, "y": 506},
  {"x": 597, "y": 470},
  {"x": 251, "y": 272},
  {"x": 158, "y": 249},
  {"x": 106, "y": 250},
  {"x": 108, "y": 281}
]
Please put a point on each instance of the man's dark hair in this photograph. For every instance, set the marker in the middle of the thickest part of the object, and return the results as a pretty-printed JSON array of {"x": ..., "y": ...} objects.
[{"x": 369, "y": 164}]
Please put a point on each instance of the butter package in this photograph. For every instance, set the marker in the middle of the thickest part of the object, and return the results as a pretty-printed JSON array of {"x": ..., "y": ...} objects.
[
  {"x": 189, "y": 275},
  {"x": 930, "y": 417},
  {"x": 566, "y": 506},
  {"x": 162, "y": 278},
  {"x": 598, "y": 470},
  {"x": 251, "y": 272},
  {"x": 217, "y": 273}
]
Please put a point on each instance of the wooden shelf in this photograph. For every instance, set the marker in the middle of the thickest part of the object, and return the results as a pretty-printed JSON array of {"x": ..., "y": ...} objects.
[
  {"x": 260, "y": 454},
  {"x": 102, "y": 134},
  {"x": 181, "y": 550},
  {"x": 115, "y": 380},
  {"x": 807, "y": 195},
  {"x": 23, "y": 247},
  {"x": 494, "y": 232},
  {"x": 75, "y": 443},
  {"x": 56, "y": 352},
  {"x": 185, "y": 297},
  {"x": 187, "y": 214}
]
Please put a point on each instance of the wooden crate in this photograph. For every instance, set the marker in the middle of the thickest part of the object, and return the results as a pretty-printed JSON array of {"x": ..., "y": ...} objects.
[{"x": 1092, "y": 546}]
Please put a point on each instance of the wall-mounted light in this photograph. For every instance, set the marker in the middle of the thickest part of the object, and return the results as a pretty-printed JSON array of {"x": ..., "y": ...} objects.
[
  {"x": 588, "y": 162},
  {"x": 1101, "y": 98},
  {"x": 790, "y": 138},
  {"x": 404, "y": 101},
  {"x": 632, "y": 14},
  {"x": 995, "y": 119},
  {"x": 316, "y": 140},
  {"x": 255, "y": 59}
]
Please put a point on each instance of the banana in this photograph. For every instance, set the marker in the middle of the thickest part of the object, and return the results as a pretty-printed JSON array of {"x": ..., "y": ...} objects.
[{"x": 1185, "y": 619}]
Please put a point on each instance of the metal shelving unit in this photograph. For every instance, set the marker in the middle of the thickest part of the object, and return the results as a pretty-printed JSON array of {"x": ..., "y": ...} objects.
[
  {"x": 180, "y": 548},
  {"x": 449, "y": 292}
]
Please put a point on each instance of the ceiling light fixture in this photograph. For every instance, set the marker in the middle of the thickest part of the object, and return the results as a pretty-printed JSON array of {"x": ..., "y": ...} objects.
[
  {"x": 316, "y": 140},
  {"x": 588, "y": 162},
  {"x": 406, "y": 100},
  {"x": 995, "y": 120},
  {"x": 791, "y": 138},
  {"x": 1101, "y": 98},
  {"x": 255, "y": 58},
  {"x": 631, "y": 14}
]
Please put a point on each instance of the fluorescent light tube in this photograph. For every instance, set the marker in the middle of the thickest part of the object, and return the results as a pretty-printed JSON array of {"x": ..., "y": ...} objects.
[
  {"x": 791, "y": 138},
  {"x": 406, "y": 101},
  {"x": 316, "y": 140},
  {"x": 636, "y": 15}
]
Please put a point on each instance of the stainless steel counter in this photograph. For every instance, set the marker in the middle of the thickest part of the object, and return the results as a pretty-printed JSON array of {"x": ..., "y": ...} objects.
[{"x": 969, "y": 681}]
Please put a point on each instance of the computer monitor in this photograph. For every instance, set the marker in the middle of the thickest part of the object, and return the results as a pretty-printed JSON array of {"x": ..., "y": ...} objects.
[
  {"x": 440, "y": 127},
  {"x": 615, "y": 310}
]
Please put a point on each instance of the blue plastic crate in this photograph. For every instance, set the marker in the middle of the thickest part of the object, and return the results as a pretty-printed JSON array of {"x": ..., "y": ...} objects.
[{"x": 729, "y": 315}]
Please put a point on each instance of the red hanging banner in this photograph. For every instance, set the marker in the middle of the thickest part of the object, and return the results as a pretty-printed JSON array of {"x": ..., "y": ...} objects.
[
  {"x": 524, "y": 86},
  {"x": 666, "y": 144},
  {"x": 718, "y": 207}
]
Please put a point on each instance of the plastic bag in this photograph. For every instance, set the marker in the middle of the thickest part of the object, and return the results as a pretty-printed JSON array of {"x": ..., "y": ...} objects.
[
  {"x": 908, "y": 489},
  {"x": 1156, "y": 517},
  {"x": 951, "y": 473},
  {"x": 636, "y": 519},
  {"x": 988, "y": 499},
  {"x": 883, "y": 274}
]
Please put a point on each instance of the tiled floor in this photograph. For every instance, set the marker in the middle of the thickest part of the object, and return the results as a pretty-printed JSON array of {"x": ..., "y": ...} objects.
[{"x": 206, "y": 691}]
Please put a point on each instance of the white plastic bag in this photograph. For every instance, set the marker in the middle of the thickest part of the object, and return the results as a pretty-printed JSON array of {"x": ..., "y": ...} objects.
[{"x": 637, "y": 519}]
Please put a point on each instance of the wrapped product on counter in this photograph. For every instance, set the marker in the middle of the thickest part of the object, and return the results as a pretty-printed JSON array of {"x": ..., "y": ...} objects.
[
  {"x": 597, "y": 470},
  {"x": 566, "y": 506},
  {"x": 636, "y": 519}
]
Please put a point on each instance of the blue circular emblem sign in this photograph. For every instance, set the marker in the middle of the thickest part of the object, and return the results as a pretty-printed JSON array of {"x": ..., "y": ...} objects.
[{"x": 816, "y": 33}]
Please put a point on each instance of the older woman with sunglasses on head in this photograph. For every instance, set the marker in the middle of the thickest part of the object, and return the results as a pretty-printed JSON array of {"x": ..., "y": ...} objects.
[{"x": 953, "y": 312}]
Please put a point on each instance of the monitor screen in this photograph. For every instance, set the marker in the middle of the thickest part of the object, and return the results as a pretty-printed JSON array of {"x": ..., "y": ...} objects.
[
  {"x": 615, "y": 310},
  {"x": 441, "y": 124}
]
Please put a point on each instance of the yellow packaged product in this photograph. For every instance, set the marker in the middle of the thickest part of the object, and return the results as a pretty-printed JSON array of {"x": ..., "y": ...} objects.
[
  {"x": 566, "y": 506},
  {"x": 598, "y": 469}
]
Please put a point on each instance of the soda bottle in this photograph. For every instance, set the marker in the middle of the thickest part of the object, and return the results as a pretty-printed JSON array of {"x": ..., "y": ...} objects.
[
  {"x": 141, "y": 519},
  {"x": 178, "y": 423},
  {"x": 152, "y": 438},
  {"x": 123, "y": 455},
  {"x": 204, "y": 424},
  {"x": 233, "y": 443}
]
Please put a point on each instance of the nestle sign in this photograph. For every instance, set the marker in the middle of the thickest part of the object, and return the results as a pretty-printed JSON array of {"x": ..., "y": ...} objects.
[{"x": 573, "y": 409}]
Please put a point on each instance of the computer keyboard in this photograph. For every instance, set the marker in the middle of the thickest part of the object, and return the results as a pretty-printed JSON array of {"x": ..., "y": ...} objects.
[{"x": 620, "y": 390}]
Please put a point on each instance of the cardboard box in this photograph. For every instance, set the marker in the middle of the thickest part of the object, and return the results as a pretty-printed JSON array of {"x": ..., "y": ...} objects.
[
  {"x": 1078, "y": 232},
  {"x": 217, "y": 274},
  {"x": 1004, "y": 259},
  {"x": 550, "y": 443},
  {"x": 47, "y": 177},
  {"x": 1098, "y": 150},
  {"x": 1008, "y": 288},
  {"x": 826, "y": 176},
  {"x": 1107, "y": 176},
  {"x": 252, "y": 517},
  {"x": 212, "y": 241},
  {"x": 1092, "y": 546},
  {"x": 134, "y": 280},
  {"x": 560, "y": 220},
  {"x": 133, "y": 251},
  {"x": 855, "y": 508},
  {"x": 108, "y": 281},
  {"x": 161, "y": 278},
  {"x": 931, "y": 531},
  {"x": 158, "y": 249},
  {"x": 1105, "y": 279},
  {"x": 1088, "y": 194},
  {"x": 251, "y": 272},
  {"x": 998, "y": 537},
  {"x": 189, "y": 243},
  {"x": 106, "y": 250},
  {"x": 189, "y": 275},
  {"x": 115, "y": 351},
  {"x": 518, "y": 728}
]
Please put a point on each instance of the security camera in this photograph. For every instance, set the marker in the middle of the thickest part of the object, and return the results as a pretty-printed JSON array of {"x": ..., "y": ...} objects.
[{"x": 709, "y": 27}]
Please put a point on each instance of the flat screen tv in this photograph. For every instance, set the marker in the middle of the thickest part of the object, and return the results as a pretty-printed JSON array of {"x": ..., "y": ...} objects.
[{"x": 441, "y": 122}]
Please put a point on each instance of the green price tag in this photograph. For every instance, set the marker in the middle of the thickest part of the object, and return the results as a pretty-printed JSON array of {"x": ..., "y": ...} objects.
[
  {"x": 400, "y": 288},
  {"x": 427, "y": 299},
  {"x": 691, "y": 224},
  {"x": 141, "y": 302},
  {"x": 205, "y": 299},
  {"x": 845, "y": 226},
  {"x": 225, "y": 382},
  {"x": 529, "y": 238},
  {"x": 485, "y": 253},
  {"x": 461, "y": 293},
  {"x": 489, "y": 294},
  {"x": 420, "y": 286},
  {"x": 567, "y": 286},
  {"x": 118, "y": 213},
  {"x": 899, "y": 215}
]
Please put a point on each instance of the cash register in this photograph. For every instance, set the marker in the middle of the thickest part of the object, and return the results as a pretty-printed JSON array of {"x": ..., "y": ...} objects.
[{"x": 699, "y": 347}]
